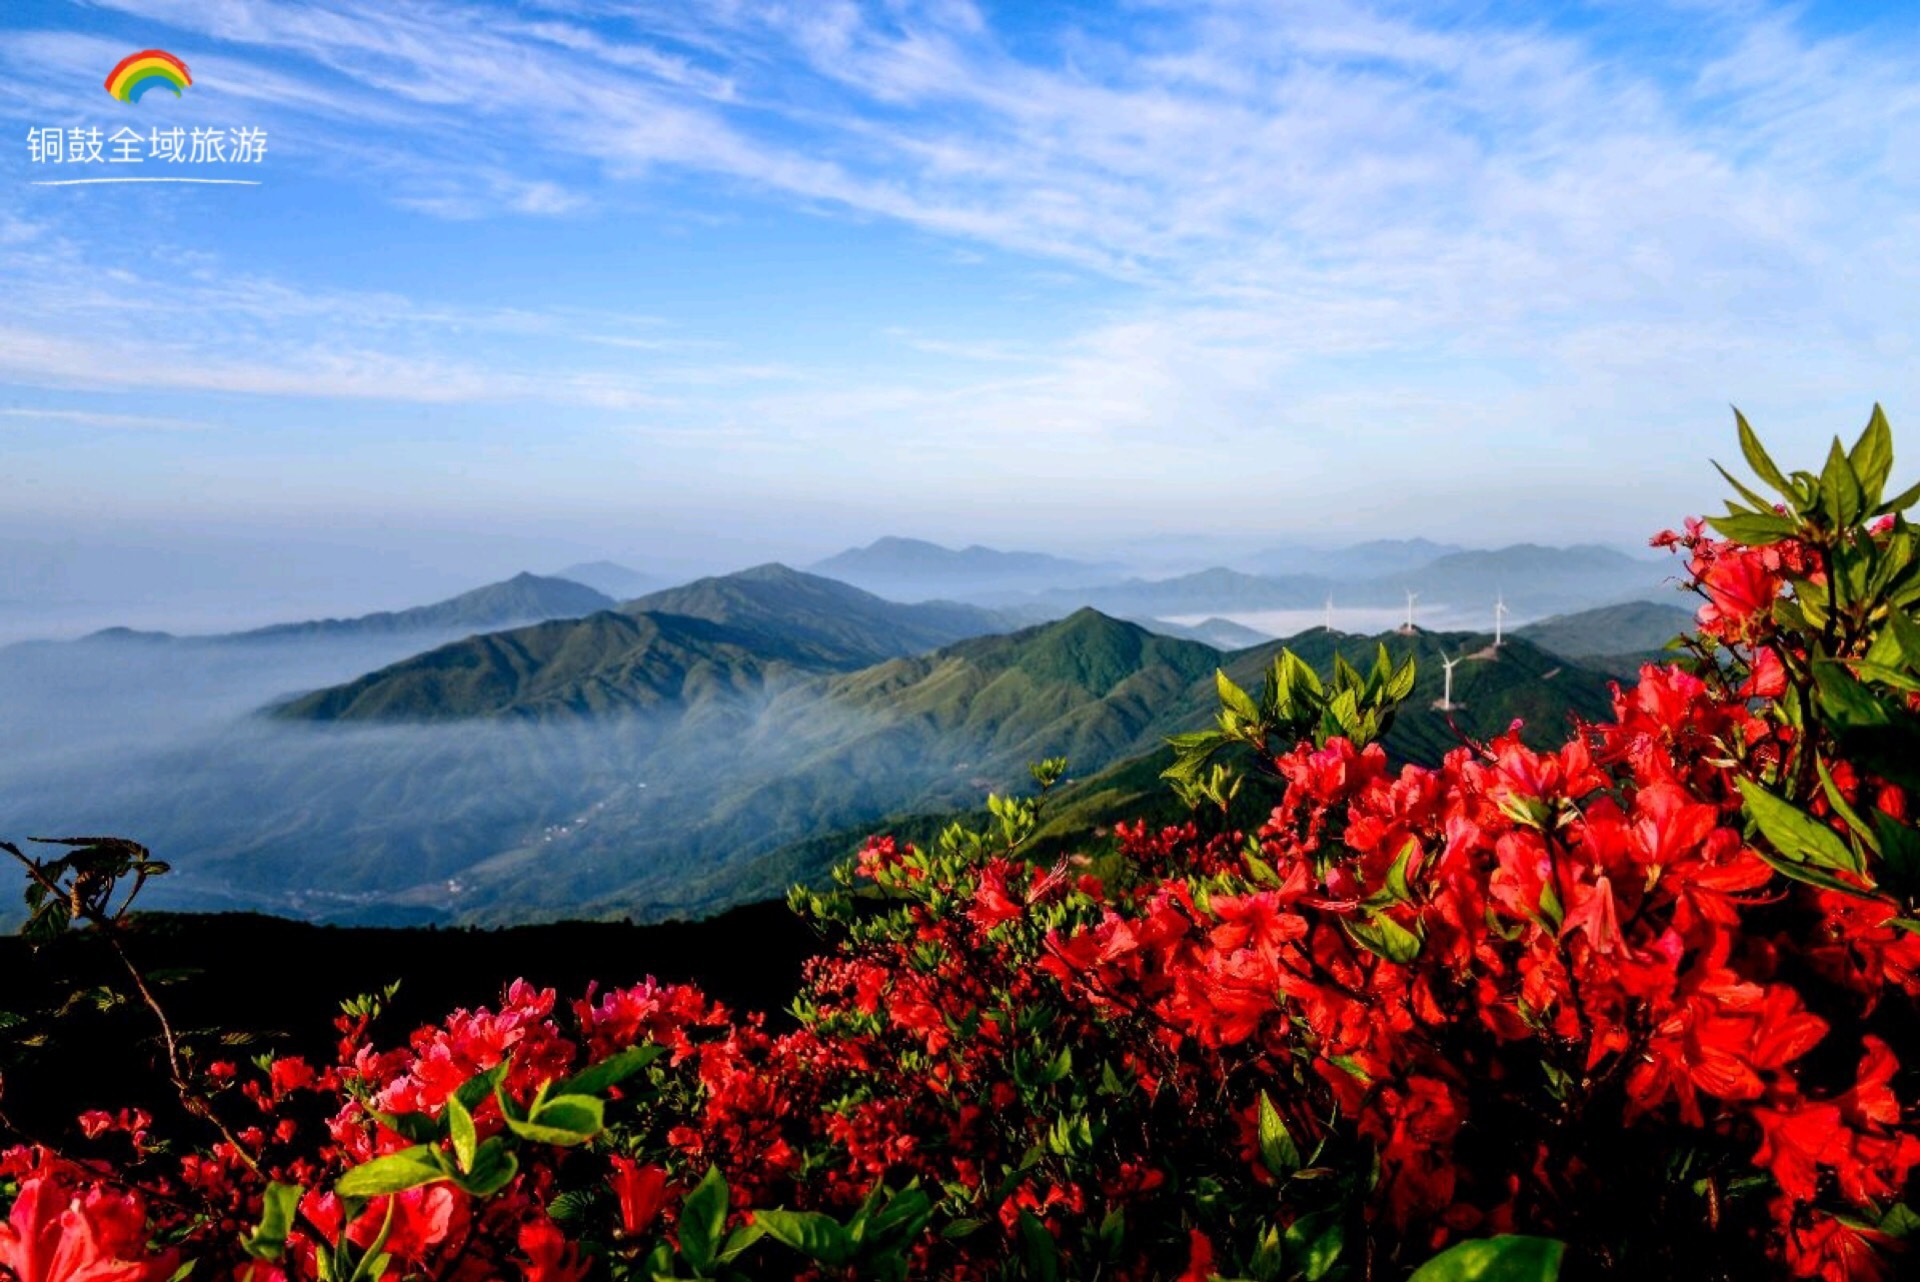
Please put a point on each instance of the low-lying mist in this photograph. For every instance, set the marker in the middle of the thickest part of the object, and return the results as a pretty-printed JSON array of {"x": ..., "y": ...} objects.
[{"x": 165, "y": 742}]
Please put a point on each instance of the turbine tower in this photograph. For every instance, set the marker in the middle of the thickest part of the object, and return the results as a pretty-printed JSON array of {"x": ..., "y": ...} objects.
[
  {"x": 1499, "y": 617},
  {"x": 1446, "y": 703},
  {"x": 1412, "y": 596},
  {"x": 1329, "y": 611}
]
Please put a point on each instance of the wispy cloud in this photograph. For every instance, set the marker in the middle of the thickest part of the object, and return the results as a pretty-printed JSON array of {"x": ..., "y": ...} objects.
[
  {"x": 1296, "y": 220},
  {"x": 89, "y": 418}
]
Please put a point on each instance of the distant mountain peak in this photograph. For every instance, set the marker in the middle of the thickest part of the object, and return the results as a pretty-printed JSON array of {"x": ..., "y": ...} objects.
[
  {"x": 770, "y": 572},
  {"x": 720, "y": 636},
  {"x": 899, "y": 543},
  {"x": 524, "y": 598},
  {"x": 620, "y": 582},
  {"x": 916, "y": 569}
]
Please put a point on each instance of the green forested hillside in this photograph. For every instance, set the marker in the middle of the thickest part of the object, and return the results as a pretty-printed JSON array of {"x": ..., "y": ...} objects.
[
  {"x": 605, "y": 663},
  {"x": 840, "y": 625},
  {"x": 729, "y": 635},
  {"x": 1492, "y": 689},
  {"x": 932, "y": 733},
  {"x": 1613, "y": 638}
]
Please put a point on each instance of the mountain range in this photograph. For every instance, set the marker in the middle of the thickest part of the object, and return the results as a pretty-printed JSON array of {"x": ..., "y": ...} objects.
[
  {"x": 520, "y": 599},
  {"x": 666, "y": 751},
  {"x": 915, "y": 570},
  {"x": 1367, "y": 560},
  {"x": 681, "y": 752},
  {"x": 1534, "y": 580},
  {"x": 735, "y": 634},
  {"x": 515, "y": 600}
]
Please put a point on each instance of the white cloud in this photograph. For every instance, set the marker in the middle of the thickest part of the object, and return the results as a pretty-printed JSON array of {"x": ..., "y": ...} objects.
[
  {"x": 1314, "y": 214},
  {"x": 89, "y": 418}
]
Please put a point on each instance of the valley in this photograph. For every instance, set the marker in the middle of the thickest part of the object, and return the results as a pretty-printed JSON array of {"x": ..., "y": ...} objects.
[{"x": 693, "y": 749}]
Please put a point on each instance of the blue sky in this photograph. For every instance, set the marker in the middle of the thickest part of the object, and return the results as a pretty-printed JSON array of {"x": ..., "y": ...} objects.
[{"x": 715, "y": 277}]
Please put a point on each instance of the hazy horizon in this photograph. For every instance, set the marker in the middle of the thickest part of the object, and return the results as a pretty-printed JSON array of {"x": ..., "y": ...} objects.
[{"x": 56, "y": 589}]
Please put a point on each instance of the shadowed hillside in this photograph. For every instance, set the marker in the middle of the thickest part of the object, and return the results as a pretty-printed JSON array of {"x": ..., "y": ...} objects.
[
  {"x": 1613, "y": 638},
  {"x": 734, "y": 634}
]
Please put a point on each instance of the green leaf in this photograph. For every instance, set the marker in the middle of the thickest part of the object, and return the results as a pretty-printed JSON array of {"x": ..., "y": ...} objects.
[
  {"x": 1259, "y": 871},
  {"x": 817, "y": 1236},
  {"x": 395, "y": 1173},
  {"x": 480, "y": 1085},
  {"x": 417, "y": 1127},
  {"x": 1760, "y": 504},
  {"x": 612, "y": 1070},
  {"x": 1384, "y": 937},
  {"x": 1324, "y": 1252},
  {"x": 1900, "y": 1222},
  {"x": 1886, "y": 676},
  {"x": 1508, "y": 1258},
  {"x": 703, "y": 1217},
  {"x": 1898, "y": 644},
  {"x": 268, "y": 1241},
  {"x": 1313, "y": 1242},
  {"x": 1808, "y": 873},
  {"x": 1753, "y": 530},
  {"x": 563, "y": 1120},
  {"x": 1846, "y": 702},
  {"x": 1234, "y": 699},
  {"x": 1838, "y": 801},
  {"x": 1901, "y": 501},
  {"x": 1041, "y": 1251},
  {"x": 1057, "y": 1068},
  {"x": 1845, "y": 501},
  {"x": 904, "y": 1215},
  {"x": 460, "y": 1131},
  {"x": 1899, "y": 851},
  {"x": 1872, "y": 455},
  {"x": 1403, "y": 679},
  {"x": 1278, "y": 1153},
  {"x": 1796, "y": 835},
  {"x": 494, "y": 1167},
  {"x": 1397, "y": 871},
  {"x": 1757, "y": 458},
  {"x": 739, "y": 1242}
]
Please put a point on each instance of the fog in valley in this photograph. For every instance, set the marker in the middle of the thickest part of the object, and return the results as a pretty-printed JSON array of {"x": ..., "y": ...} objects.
[{"x": 167, "y": 743}]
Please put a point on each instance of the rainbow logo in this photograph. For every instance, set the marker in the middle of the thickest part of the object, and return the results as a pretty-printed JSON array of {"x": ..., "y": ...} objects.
[{"x": 138, "y": 72}]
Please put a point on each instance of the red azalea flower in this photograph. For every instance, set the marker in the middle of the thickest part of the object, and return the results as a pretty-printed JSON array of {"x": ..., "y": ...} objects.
[
  {"x": 1823, "y": 1247},
  {"x": 641, "y": 1191},
  {"x": 550, "y": 1257},
  {"x": 1199, "y": 1258},
  {"x": 64, "y": 1230}
]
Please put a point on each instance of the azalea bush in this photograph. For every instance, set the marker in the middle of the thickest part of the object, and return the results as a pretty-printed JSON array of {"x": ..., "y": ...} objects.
[{"x": 1642, "y": 1006}]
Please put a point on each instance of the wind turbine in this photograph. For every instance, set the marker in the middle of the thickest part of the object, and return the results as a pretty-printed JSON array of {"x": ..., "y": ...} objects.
[
  {"x": 1329, "y": 611},
  {"x": 1412, "y": 596},
  {"x": 1499, "y": 616},
  {"x": 1446, "y": 703}
]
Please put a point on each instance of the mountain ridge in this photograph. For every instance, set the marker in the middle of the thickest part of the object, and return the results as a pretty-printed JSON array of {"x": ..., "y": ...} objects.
[
  {"x": 524, "y": 598},
  {"x": 919, "y": 569},
  {"x": 725, "y": 634}
]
